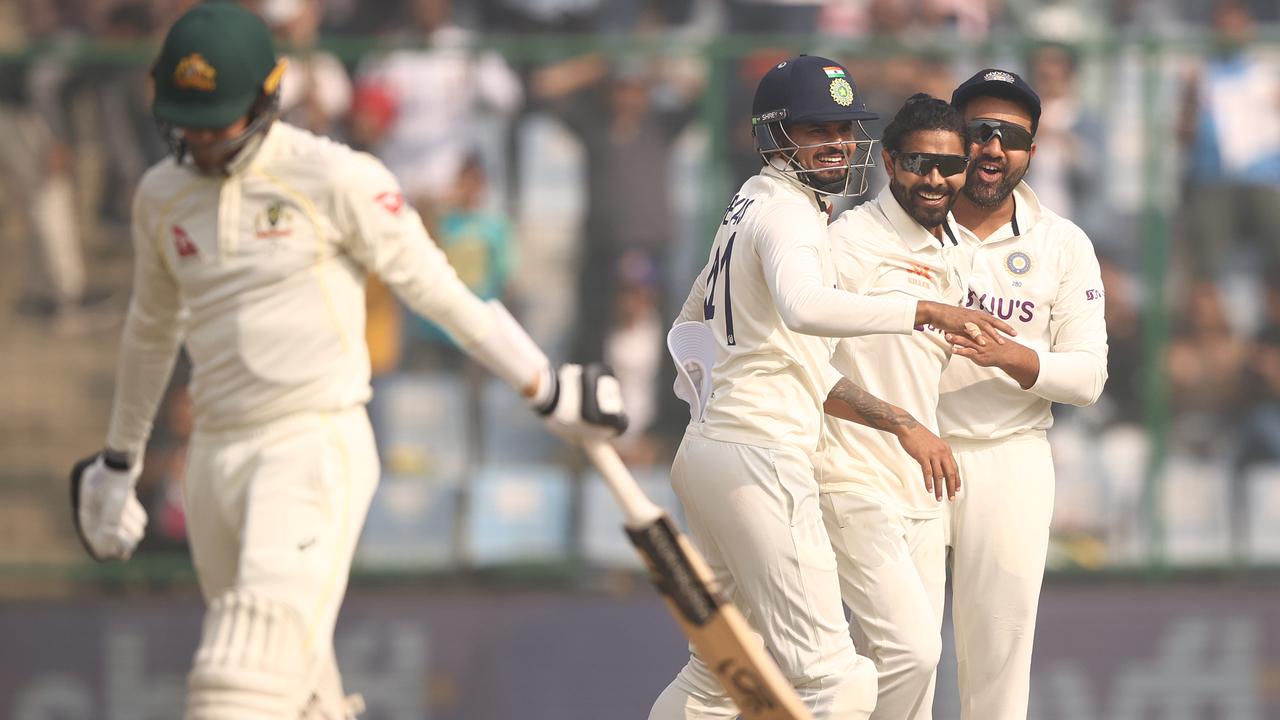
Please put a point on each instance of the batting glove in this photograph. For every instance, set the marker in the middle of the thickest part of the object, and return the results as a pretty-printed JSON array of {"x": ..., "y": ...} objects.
[
  {"x": 583, "y": 403},
  {"x": 108, "y": 517}
]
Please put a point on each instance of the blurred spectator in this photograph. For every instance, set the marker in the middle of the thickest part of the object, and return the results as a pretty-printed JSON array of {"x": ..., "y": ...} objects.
[
  {"x": 1231, "y": 126},
  {"x": 634, "y": 347},
  {"x": 35, "y": 160},
  {"x": 160, "y": 488},
  {"x": 628, "y": 137},
  {"x": 429, "y": 102},
  {"x": 477, "y": 241},
  {"x": 1205, "y": 360},
  {"x": 316, "y": 92},
  {"x": 122, "y": 93},
  {"x": 1070, "y": 144}
]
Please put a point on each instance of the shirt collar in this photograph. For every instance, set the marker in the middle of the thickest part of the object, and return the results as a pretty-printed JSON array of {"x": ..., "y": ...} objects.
[
  {"x": 913, "y": 233},
  {"x": 790, "y": 184},
  {"x": 1026, "y": 213}
]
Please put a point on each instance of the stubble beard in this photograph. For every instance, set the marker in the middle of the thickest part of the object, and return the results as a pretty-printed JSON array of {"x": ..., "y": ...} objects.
[{"x": 990, "y": 195}]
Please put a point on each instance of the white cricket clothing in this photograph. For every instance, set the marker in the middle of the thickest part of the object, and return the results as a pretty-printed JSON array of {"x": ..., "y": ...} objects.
[
  {"x": 1038, "y": 273},
  {"x": 262, "y": 275},
  {"x": 893, "y": 577},
  {"x": 743, "y": 472},
  {"x": 768, "y": 292},
  {"x": 276, "y": 511},
  {"x": 753, "y": 513},
  {"x": 998, "y": 530},
  {"x": 880, "y": 251}
]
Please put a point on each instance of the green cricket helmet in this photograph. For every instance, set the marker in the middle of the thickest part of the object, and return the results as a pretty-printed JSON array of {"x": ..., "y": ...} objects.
[{"x": 217, "y": 62}]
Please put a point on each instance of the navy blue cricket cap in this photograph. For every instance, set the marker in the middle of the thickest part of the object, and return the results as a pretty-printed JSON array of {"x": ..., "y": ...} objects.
[
  {"x": 808, "y": 88},
  {"x": 995, "y": 82}
]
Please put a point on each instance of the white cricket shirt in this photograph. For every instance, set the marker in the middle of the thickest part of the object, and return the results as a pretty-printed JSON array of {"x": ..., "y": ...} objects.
[
  {"x": 1038, "y": 273},
  {"x": 881, "y": 251},
  {"x": 261, "y": 274},
  {"x": 768, "y": 293}
]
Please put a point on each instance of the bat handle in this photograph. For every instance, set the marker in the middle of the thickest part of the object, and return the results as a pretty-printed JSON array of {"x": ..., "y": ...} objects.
[{"x": 638, "y": 508}]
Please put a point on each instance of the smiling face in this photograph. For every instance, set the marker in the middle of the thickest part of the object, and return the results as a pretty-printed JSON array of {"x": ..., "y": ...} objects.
[
  {"x": 995, "y": 170},
  {"x": 823, "y": 150},
  {"x": 927, "y": 196}
]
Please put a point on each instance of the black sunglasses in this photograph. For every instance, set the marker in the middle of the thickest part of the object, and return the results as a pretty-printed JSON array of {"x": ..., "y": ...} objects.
[
  {"x": 1012, "y": 137},
  {"x": 924, "y": 163}
]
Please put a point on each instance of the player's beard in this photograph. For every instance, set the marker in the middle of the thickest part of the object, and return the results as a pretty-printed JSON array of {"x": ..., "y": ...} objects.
[
  {"x": 928, "y": 217},
  {"x": 833, "y": 180},
  {"x": 991, "y": 194}
]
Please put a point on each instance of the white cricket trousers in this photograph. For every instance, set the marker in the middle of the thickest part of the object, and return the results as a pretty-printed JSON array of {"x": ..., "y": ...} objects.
[
  {"x": 753, "y": 513},
  {"x": 893, "y": 576},
  {"x": 998, "y": 530},
  {"x": 276, "y": 510}
]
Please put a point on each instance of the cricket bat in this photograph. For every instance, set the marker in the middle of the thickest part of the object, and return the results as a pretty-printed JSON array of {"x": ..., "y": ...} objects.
[{"x": 712, "y": 623}]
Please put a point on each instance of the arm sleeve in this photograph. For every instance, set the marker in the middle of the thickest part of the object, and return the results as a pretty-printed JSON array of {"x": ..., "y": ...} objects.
[
  {"x": 789, "y": 252},
  {"x": 1075, "y": 369},
  {"x": 385, "y": 235},
  {"x": 149, "y": 345}
]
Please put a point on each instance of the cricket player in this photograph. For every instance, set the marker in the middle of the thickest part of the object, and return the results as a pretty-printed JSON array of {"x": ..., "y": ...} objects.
[
  {"x": 251, "y": 244},
  {"x": 1038, "y": 271},
  {"x": 883, "y": 512},
  {"x": 743, "y": 471}
]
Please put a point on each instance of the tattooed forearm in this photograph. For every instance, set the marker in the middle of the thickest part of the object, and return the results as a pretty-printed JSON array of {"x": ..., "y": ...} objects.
[{"x": 849, "y": 401}]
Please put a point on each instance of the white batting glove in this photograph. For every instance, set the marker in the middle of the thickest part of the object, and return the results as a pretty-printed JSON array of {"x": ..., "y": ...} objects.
[
  {"x": 582, "y": 403},
  {"x": 108, "y": 517}
]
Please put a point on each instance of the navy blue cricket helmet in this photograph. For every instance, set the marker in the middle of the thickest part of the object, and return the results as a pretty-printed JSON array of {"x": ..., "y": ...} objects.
[{"x": 811, "y": 89}]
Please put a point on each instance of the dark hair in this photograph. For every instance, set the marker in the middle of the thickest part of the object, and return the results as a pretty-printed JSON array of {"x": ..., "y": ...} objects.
[{"x": 923, "y": 112}]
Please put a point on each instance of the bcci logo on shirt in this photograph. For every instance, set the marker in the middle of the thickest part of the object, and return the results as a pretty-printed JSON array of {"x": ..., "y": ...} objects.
[
  {"x": 1018, "y": 263},
  {"x": 273, "y": 222}
]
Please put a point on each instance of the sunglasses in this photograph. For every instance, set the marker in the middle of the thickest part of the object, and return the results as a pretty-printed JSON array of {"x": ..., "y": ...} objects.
[
  {"x": 924, "y": 163},
  {"x": 1012, "y": 137}
]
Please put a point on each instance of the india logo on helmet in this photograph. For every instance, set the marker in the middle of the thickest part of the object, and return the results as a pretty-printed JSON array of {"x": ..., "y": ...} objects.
[
  {"x": 195, "y": 73},
  {"x": 842, "y": 92}
]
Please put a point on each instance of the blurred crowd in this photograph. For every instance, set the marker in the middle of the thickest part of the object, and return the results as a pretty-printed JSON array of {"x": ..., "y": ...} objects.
[{"x": 567, "y": 154}]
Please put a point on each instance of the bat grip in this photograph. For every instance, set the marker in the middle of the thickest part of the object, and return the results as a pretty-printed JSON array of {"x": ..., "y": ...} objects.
[{"x": 638, "y": 508}]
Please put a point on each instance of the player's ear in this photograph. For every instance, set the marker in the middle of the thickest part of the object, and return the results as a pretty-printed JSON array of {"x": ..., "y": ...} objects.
[{"x": 887, "y": 159}]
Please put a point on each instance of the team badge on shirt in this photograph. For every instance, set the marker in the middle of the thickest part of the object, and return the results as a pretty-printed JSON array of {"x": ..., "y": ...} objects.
[
  {"x": 274, "y": 221},
  {"x": 842, "y": 92},
  {"x": 1018, "y": 263}
]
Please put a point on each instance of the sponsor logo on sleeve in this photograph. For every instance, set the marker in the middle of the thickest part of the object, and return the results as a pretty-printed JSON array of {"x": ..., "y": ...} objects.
[
  {"x": 183, "y": 244},
  {"x": 390, "y": 201},
  {"x": 1094, "y": 294}
]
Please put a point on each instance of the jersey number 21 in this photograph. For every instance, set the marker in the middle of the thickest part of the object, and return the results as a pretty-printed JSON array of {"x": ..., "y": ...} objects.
[{"x": 720, "y": 265}]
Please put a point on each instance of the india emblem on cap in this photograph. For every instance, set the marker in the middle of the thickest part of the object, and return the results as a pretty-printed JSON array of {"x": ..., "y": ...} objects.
[
  {"x": 1000, "y": 75},
  {"x": 842, "y": 92},
  {"x": 193, "y": 72}
]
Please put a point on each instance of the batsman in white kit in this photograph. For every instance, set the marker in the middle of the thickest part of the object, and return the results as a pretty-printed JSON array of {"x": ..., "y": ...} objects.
[
  {"x": 1038, "y": 271},
  {"x": 743, "y": 471},
  {"x": 882, "y": 503},
  {"x": 251, "y": 246}
]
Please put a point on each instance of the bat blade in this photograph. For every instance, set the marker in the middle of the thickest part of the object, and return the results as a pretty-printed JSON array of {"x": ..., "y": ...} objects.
[{"x": 714, "y": 625}]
